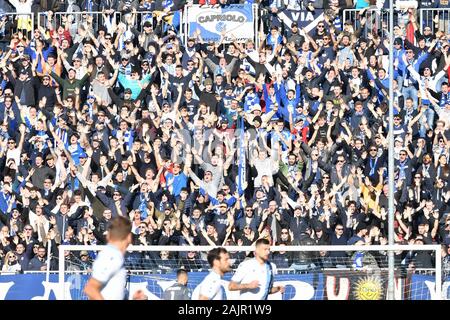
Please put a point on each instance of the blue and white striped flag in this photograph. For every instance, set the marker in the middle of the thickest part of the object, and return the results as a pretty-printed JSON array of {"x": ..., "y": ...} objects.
[{"x": 241, "y": 157}]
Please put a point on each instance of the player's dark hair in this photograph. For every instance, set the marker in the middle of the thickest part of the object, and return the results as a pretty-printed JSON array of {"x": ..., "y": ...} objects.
[
  {"x": 119, "y": 228},
  {"x": 262, "y": 241},
  {"x": 214, "y": 254},
  {"x": 181, "y": 272}
]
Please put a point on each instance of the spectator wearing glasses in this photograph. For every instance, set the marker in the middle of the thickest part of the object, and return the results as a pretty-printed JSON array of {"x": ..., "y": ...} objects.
[
  {"x": 338, "y": 172},
  {"x": 10, "y": 263},
  {"x": 39, "y": 262},
  {"x": 117, "y": 204},
  {"x": 85, "y": 261},
  {"x": 249, "y": 219},
  {"x": 373, "y": 164},
  {"x": 338, "y": 237},
  {"x": 404, "y": 166}
]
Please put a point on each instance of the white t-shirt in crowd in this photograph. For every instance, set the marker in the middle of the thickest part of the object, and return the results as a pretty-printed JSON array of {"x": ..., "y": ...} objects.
[
  {"x": 211, "y": 287},
  {"x": 251, "y": 270},
  {"x": 13, "y": 154},
  {"x": 109, "y": 269}
]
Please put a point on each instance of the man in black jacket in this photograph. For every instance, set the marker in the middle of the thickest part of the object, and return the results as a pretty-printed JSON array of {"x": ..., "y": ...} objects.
[
  {"x": 23, "y": 87},
  {"x": 44, "y": 89}
]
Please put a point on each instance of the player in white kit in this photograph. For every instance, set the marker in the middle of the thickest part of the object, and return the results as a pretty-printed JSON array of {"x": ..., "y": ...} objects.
[
  {"x": 254, "y": 277},
  {"x": 211, "y": 288},
  {"x": 109, "y": 277}
]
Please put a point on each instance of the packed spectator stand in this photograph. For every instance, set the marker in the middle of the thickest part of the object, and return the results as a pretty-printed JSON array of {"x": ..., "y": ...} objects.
[{"x": 218, "y": 142}]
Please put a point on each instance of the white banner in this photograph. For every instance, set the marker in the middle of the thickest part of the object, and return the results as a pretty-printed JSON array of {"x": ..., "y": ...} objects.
[{"x": 234, "y": 21}]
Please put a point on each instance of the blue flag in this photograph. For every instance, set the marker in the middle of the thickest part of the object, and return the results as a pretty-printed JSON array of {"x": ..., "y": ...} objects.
[{"x": 241, "y": 157}]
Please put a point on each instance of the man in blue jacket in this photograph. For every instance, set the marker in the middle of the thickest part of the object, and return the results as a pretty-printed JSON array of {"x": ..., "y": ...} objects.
[
  {"x": 38, "y": 263},
  {"x": 289, "y": 100},
  {"x": 410, "y": 85}
]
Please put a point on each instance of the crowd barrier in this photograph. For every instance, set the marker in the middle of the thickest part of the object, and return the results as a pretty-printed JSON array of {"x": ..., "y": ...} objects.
[
  {"x": 23, "y": 22},
  {"x": 435, "y": 18},
  {"x": 242, "y": 22},
  {"x": 76, "y": 19},
  {"x": 376, "y": 20}
]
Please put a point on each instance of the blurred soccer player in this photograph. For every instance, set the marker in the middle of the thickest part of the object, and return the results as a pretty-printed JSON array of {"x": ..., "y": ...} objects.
[
  {"x": 179, "y": 290},
  {"x": 109, "y": 277}
]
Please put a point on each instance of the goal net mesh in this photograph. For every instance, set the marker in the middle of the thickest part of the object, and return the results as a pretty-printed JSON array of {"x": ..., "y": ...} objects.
[{"x": 315, "y": 274}]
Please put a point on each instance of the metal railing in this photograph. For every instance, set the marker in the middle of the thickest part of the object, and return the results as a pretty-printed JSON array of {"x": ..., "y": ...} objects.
[
  {"x": 436, "y": 18},
  {"x": 23, "y": 22},
  {"x": 376, "y": 20},
  {"x": 76, "y": 19}
]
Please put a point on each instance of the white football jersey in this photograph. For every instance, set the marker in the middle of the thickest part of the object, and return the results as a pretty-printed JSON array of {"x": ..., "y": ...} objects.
[
  {"x": 109, "y": 269},
  {"x": 251, "y": 270},
  {"x": 211, "y": 287}
]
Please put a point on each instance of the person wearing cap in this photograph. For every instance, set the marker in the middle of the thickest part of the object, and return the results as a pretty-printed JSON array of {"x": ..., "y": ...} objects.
[
  {"x": 80, "y": 69},
  {"x": 207, "y": 95},
  {"x": 85, "y": 260},
  {"x": 360, "y": 234},
  {"x": 25, "y": 63},
  {"x": 256, "y": 109},
  {"x": 47, "y": 91},
  {"x": 23, "y": 86},
  {"x": 148, "y": 34},
  {"x": 209, "y": 183},
  {"x": 294, "y": 35}
]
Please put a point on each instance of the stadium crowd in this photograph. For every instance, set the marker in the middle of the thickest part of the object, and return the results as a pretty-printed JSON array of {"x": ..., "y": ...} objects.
[{"x": 213, "y": 143}]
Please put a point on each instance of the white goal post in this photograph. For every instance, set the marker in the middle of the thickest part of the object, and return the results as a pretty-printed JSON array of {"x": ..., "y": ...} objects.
[{"x": 436, "y": 249}]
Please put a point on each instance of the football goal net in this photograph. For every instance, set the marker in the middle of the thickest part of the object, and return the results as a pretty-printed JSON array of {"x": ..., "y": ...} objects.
[{"x": 306, "y": 272}]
